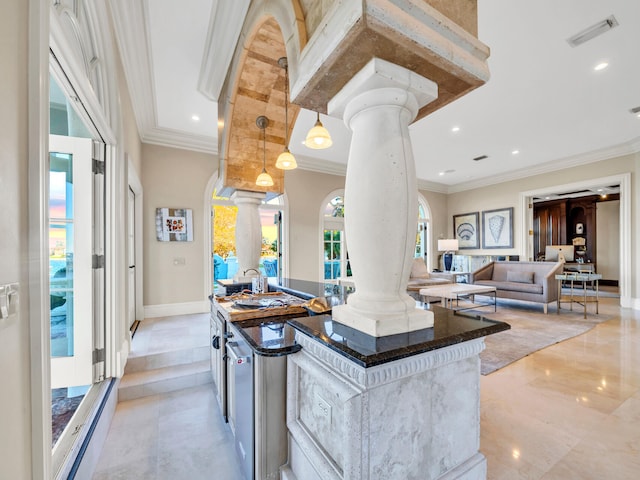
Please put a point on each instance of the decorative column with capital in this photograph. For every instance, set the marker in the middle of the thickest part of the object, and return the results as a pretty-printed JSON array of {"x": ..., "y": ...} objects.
[{"x": 378, "y": 104}]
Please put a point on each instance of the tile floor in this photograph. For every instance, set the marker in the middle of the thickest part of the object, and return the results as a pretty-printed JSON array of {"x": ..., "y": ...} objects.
[{"x": 570, "y": 411}]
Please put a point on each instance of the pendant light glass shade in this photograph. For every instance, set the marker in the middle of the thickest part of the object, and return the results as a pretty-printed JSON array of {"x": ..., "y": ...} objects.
[
  {"x": 264, "y": 179},
  {"x": 318, "y": 137},
  {"x": 286, "y": 160}
]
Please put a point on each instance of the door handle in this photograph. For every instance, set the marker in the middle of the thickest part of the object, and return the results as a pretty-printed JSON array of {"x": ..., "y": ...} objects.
[
  {"x": 132, "y": 266},
  {"x": 234, "y": 355}
]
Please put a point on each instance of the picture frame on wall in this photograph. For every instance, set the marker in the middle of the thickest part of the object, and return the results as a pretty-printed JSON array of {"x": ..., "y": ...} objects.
[
  {"x": 497, "y": 228},
  {"x": 174, "y": 224},
  {"x": 465, "y": 230}
]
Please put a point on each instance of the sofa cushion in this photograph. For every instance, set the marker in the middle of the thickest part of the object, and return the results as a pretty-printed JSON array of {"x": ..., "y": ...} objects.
[
  {"x": 520, "y": 277},
  {"x": 512, "y": 286}
]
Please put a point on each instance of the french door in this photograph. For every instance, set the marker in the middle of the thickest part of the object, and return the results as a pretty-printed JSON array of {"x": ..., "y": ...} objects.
[
  {"x": 131, "y": 256},
  {"x": 71, "y": 261}
]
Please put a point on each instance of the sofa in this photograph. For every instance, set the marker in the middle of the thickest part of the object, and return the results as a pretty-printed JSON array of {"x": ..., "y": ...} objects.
[
  {"x": 528, "y": 281},
  {"x": 420, "y": 277}
]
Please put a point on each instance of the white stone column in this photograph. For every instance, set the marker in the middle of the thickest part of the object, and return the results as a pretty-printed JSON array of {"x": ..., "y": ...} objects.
[
  {"x": 248, "y": 233},
  {"x": 381, "y": 200}
]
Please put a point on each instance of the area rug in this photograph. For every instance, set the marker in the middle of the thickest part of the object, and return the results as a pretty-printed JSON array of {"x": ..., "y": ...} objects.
[{"x": 531, "y": 330}]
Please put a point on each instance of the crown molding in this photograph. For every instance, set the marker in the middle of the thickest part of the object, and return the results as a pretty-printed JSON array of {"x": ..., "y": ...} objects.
[
  {"x": 132, "y": 36},
  {"x": 430, "y": 186},
  {"x": 627, "y": 148},
  {"x": 225, "y": 25},
  {"x": 172, "y": 138},
  {"x": 320, "y": 166}
]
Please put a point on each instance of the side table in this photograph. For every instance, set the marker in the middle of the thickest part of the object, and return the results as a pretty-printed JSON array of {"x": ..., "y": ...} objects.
[{"x": 582, "y": 300}]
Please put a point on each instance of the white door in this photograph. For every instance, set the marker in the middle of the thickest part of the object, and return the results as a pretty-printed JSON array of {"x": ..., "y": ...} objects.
[
  {"x": 131, "y": 254},
  {"x": 70, "y": 249}
]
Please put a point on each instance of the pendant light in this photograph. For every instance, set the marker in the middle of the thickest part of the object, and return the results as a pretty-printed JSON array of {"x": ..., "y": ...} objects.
[
  {"x": 264, "y": 179},
  {"x": 318, "y": 137},
  {"x": 286, "y": 160}
]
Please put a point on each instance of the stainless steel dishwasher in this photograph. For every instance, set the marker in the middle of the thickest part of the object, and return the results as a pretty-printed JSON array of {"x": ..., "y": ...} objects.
[
  {"x": 240, "y": 394},
  {"x": 256, "y": 400}
]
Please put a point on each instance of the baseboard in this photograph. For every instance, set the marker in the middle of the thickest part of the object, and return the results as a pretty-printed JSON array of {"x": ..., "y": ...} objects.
[
  {"x": 168, "y": 309},
  {"x": 634, "y": 303}
]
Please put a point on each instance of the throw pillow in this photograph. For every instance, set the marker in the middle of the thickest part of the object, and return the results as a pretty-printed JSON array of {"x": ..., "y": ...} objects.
[{"x": 520, "y": 277}]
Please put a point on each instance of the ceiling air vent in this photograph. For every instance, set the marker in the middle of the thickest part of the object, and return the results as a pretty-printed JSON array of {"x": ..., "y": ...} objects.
[
  {"x": 635, "y": 110},
  {"x": 593, "y": 31},
  {"x": 481, "y": 157}
]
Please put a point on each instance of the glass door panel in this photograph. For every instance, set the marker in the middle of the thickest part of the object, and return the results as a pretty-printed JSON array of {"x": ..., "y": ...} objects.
[{"x": 70, "y": 261}]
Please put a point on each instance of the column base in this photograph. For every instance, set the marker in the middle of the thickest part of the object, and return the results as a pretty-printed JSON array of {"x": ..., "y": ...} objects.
[{"x": 383, "y": 324}]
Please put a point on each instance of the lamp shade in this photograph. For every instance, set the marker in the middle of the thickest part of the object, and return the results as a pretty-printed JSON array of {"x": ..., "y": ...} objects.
[
  {"x": 447, "y": 244},
  {"x": 264, "y": 179},
  {"x": 286, "y": 161},
  {"x": 318, "y": 137}
]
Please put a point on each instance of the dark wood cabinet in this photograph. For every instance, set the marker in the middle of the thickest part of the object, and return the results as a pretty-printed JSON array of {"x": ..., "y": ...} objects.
[
  {"x": 550, "y": 225},
  {"x": 569, "y": 221}
]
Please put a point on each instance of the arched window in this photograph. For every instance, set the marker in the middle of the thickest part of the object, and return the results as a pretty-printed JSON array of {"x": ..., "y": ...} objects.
[
  {"x": 423, "y": 234},
  {"x": 223, "y": 238},
  {"x": 335, "y": 259}
]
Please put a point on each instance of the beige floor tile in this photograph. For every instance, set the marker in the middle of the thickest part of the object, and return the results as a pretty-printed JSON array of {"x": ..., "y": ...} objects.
[{"x": 570, "y": 411}]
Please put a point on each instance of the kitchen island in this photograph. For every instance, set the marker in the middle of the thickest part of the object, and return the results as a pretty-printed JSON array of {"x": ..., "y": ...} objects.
[
  {"x": 395, "y": 407},
  {"x": 331, "y": 402}
]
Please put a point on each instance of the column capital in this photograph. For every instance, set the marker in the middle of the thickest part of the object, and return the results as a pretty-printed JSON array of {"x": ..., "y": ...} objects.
[
  {"x": 379, "y": 74},
  {"x": 246, "y": 196}
]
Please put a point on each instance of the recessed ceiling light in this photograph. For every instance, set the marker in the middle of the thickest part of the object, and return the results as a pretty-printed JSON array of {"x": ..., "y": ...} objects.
[
  {"x": 441, "y": 173},
  {"x": 601, "y": 66},
  {"x": 515, "y": 152},
  {"x": 455, "y": 129},
  {"x": 195, "y": 118}
]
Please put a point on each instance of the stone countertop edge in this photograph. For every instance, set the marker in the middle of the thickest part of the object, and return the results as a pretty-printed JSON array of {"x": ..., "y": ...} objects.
[
  {"x": 288, "y": 346},
  {"x": 305, "y": 326}
]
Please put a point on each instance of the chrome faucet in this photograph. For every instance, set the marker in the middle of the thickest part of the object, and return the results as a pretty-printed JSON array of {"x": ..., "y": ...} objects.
[{"x": 257, "y": 284}]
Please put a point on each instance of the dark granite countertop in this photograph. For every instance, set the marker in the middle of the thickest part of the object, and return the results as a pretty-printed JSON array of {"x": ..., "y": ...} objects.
[
  {"x": 269, "y": 337},
  {"x": 449, "y": 328}
]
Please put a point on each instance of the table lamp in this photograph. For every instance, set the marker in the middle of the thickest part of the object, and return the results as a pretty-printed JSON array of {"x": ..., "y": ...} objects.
[{"x": 449, "y": 246}]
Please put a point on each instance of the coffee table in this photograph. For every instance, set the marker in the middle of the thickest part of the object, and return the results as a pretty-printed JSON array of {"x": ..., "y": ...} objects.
[{"x": 451, "y": 294}]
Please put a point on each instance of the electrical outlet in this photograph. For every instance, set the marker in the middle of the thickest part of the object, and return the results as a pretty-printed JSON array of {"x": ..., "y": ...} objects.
[{"x": 322, "y": 408}]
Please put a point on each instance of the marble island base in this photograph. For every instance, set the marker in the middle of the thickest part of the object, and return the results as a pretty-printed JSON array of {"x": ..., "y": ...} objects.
[{"x": 413, "y": 416}]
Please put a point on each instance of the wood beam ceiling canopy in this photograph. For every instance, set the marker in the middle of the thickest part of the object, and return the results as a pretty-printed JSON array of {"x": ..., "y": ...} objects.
[{"x": 258, "y": 90}]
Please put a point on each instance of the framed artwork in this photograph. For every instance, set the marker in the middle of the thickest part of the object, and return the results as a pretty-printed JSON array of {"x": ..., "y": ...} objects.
[
  {"x": 497, "y": 228},
  {"x": 174, "y": 224},
  {"x": 465, "y": 230}
]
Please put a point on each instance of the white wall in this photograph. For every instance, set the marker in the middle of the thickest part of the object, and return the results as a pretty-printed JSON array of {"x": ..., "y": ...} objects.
[
  {"x": 177, "y": 179},
  {"x": 15, "y": 401},
  {"x": 305, "y": 193},
  {"x": 608, "y": 239}
]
